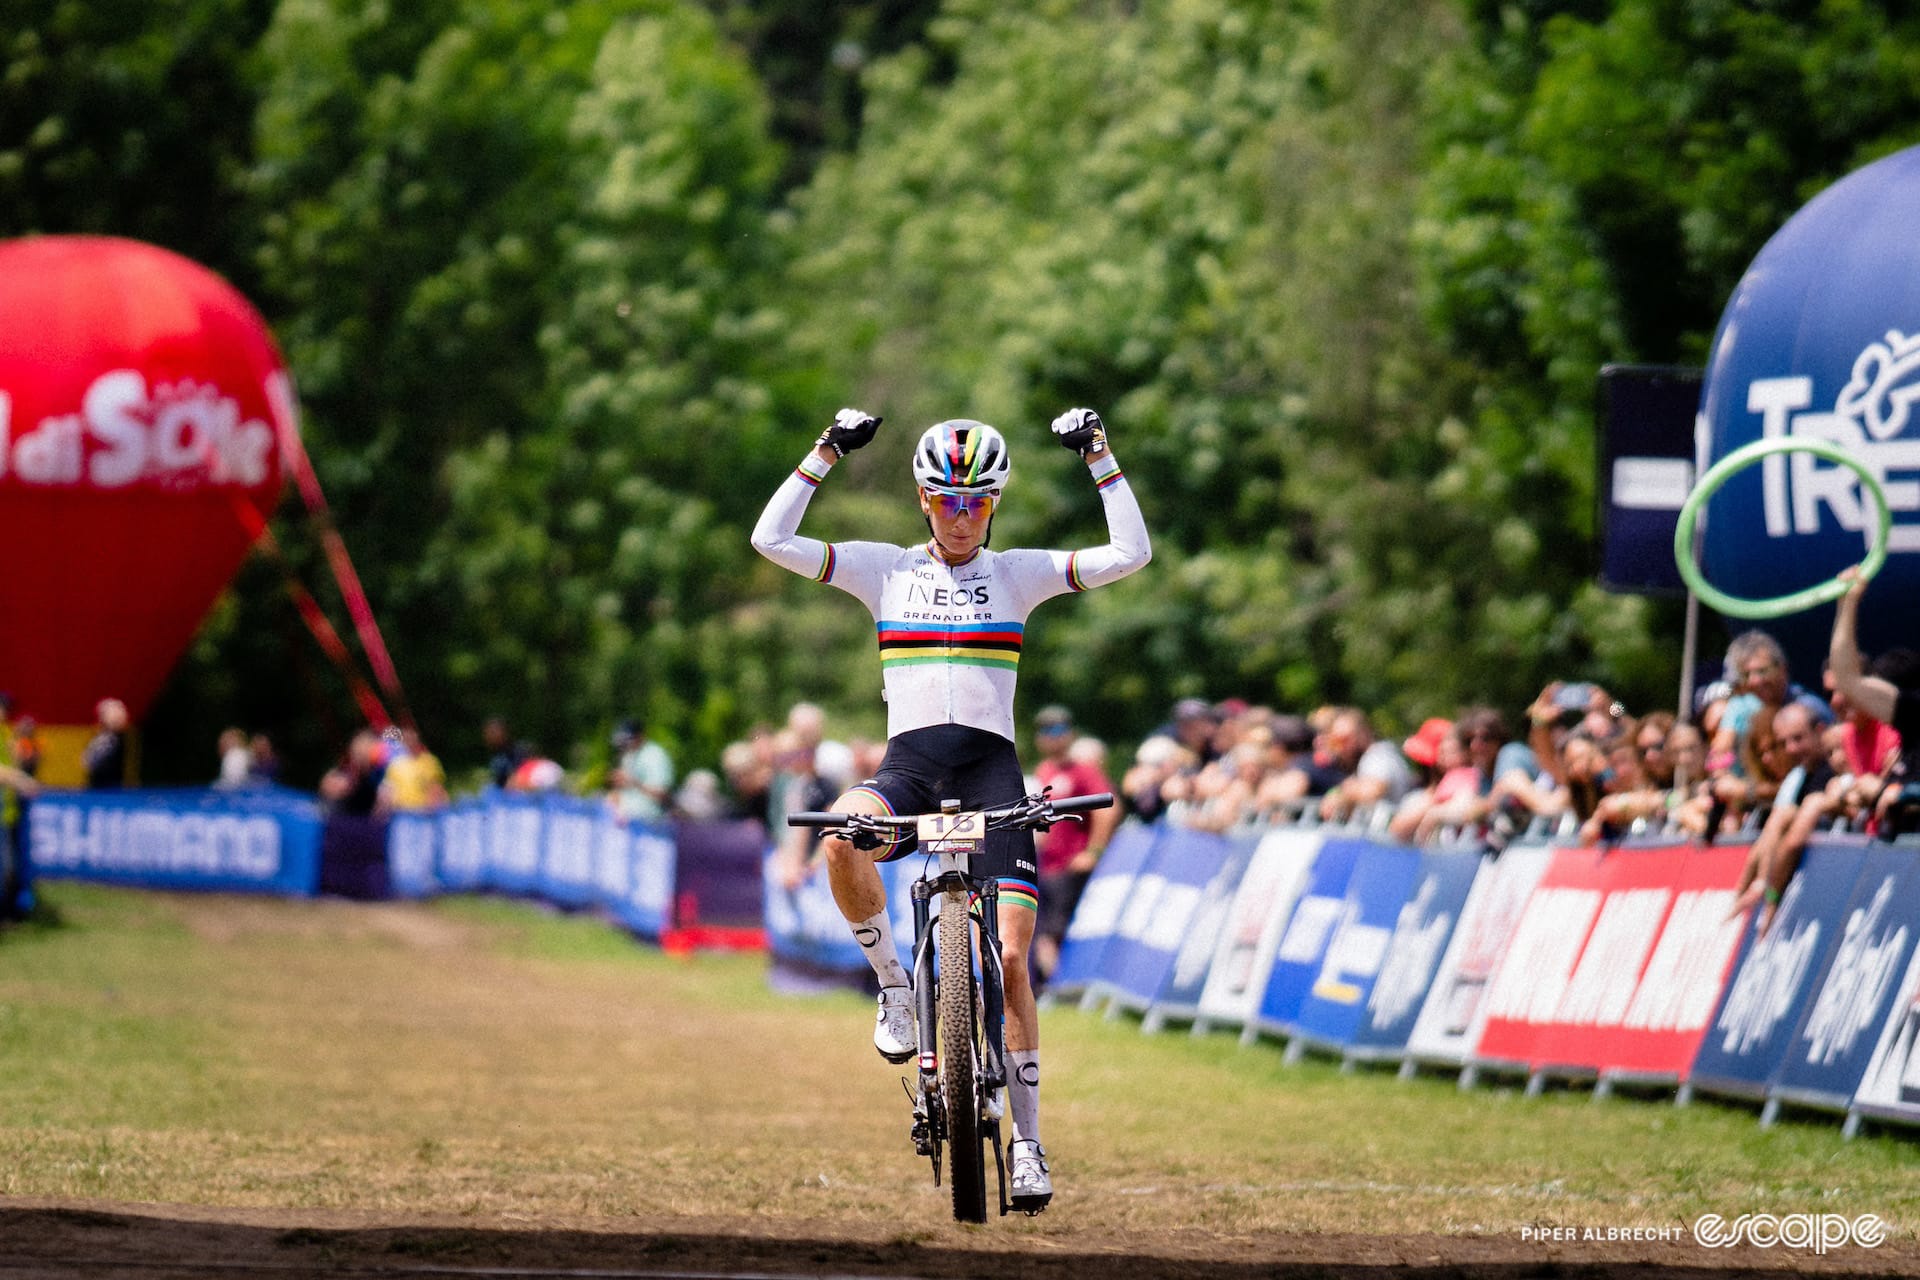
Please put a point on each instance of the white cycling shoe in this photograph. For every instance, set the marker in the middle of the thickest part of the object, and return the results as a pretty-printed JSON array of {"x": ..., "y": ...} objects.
[
  {"x": 893, "y": 1031},
  {"x": 1032, "y": 1185}
]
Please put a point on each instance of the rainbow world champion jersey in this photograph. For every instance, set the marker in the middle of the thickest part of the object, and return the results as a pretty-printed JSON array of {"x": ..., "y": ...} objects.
[{"x": 950, "y": 635}]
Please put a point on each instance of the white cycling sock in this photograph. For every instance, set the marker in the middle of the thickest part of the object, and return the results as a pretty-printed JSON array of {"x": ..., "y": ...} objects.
[
  {"x": 1023, "y": 1093},
  {"x": 875, "y": 936}
]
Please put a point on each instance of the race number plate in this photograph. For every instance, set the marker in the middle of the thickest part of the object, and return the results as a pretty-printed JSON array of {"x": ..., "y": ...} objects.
[{"x": 956, "y": 837}]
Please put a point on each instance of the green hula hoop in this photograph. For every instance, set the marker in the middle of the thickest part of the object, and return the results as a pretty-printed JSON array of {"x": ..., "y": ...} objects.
[{"x": 1739, "y": 460}]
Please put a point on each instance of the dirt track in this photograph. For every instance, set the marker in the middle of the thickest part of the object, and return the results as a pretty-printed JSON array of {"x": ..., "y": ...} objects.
[
  {"x": 145, "y": 1241},
  {"x": 343, "y": 1090}
]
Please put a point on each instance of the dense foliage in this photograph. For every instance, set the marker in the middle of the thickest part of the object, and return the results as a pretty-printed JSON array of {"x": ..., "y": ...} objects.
[{"x": 568, "y": 288}]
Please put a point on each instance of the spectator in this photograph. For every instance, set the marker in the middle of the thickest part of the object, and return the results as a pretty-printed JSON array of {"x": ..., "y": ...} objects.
[
  {"x": 352, "y": 787},
  {"x": 793, "y": 760},
  {"x": 749, "y": 777},
  {"x": 1884, "y": 699},
  {"x": 535, "y": 772},
  {"x": 263, "y": 764},
  {"x": 642, "y": 778},
  {"x": 17, "y": 787},
  {"x": 1155, "y": 762},
  {"x": 1069, "y": 851},
  {"x": 236, "y": 762},
  {"x": 414, "y": 780},
  {"x": 1361, "y": 770},
  {"x": 1193, "y": 725},
  {"x": 813, "y": 788},
  {"x": 504, "y": 755},
  {"x": 26, "y": 743},
  {"x": 1433, "y": 750},
  {"x": 699, "y": 798},
  {"x": 1760, "y": 680},
  {"x": 1801, "y": 803},
  {"x": 1289, "y": 751},
  {"x": 104, "y": 758}
]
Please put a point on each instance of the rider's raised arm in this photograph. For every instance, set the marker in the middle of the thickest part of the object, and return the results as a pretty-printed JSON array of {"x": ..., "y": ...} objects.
[
  {"x": 1127, "y": 548},
  {"x": 777, "y": 534}
]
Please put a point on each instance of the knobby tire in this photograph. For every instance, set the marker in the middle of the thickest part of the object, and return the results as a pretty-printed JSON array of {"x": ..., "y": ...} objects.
[{"x": 959, "y": 1058}]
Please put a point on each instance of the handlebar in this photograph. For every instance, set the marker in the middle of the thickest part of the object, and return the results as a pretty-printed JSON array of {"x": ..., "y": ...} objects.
[{"x": 1030, "y": 813}]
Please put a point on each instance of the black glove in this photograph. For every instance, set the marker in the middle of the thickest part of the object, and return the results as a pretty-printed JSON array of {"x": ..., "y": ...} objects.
[
  {"x": 1080, "y": 430},
  {"x": 851, "y": 428}
]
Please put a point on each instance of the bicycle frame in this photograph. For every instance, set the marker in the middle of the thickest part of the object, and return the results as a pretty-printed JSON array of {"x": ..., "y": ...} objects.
[{"x": 954, "y": 838}]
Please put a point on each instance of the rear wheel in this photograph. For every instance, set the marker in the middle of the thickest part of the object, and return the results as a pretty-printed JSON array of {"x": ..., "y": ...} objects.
[{"x": 959, "y": 1063}]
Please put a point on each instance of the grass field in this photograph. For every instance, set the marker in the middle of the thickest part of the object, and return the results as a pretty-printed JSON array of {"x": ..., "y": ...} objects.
[{"x": 489, "y": 1063}]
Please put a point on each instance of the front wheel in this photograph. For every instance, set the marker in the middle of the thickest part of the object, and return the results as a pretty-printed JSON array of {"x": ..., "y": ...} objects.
[{"x": 959, "y": 1063}]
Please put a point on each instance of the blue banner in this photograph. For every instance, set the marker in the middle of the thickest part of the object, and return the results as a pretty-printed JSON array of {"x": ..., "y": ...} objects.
[
  {"x": 1316, "y": 917},
  {"x": 1383, "y": 879},
  {"x": 1831, "y": 1047},
  {"x": 1102, "y": 904},
  {"x": 1262, "y": 906},
  {"x": 413, "y": 855},
  {"x": 257, "y": 841},
  {"x": 1165, "y": 897},
  {"x": 1180, "y": 995},
  {"x": 1773, "y": 977},
  {"x": 1421, "y": 931},
  {"x": 1890, "y": 1090}
]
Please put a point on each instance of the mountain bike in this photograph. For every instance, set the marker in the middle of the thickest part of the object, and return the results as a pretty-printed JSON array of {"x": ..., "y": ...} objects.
[{"x": 960, "y": 1012}]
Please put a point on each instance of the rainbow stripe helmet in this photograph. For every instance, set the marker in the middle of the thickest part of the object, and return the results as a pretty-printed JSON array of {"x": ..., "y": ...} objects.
[{"x": 961, "y": 456}]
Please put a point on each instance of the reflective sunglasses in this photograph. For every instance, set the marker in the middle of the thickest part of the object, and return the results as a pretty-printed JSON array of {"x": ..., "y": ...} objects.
[{"x": 950, "y": 505}]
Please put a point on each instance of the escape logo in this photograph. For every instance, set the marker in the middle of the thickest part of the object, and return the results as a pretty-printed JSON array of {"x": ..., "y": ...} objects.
[{"x": 1817, "y": 1232}]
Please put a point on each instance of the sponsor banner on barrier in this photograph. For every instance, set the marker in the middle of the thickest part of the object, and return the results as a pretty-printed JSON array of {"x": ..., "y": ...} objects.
[
  {"x": 413, "y": 855},
  {"x": 566, "y": 849},
  {"x": 653, "y": 867},
  {"x": 805, "y": 927},
  {"x": 1335, "y": 1002},
  {"x": 462, "y": 867},
  {"x": 1102, "y": 903},
  {"x": 1455, "y": 1010},
  {"x": 261, "y": 841},
  {"x": 1840, "y": 1029},
  {"x": 1421, "y": 930},
  {"x": 1748, "y": 1037},
  {"x": 512, "y": 833},
  {"x": 1165, "y": 897},
  {"x": 1617, "y": 961},
  {"x": 1320, "y": 911},
  {"x": 1179, "y": 996},
  {"x": 1261, "y": 908},
  {"x": 1890, "y": 1089}
]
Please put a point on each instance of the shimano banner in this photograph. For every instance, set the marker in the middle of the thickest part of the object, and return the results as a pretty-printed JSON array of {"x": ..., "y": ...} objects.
[{"x": 262, "y": 841}]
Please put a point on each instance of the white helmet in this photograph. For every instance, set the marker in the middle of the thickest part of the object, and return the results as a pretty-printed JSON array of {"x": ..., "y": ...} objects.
[{"x": 961, "y": 456}]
